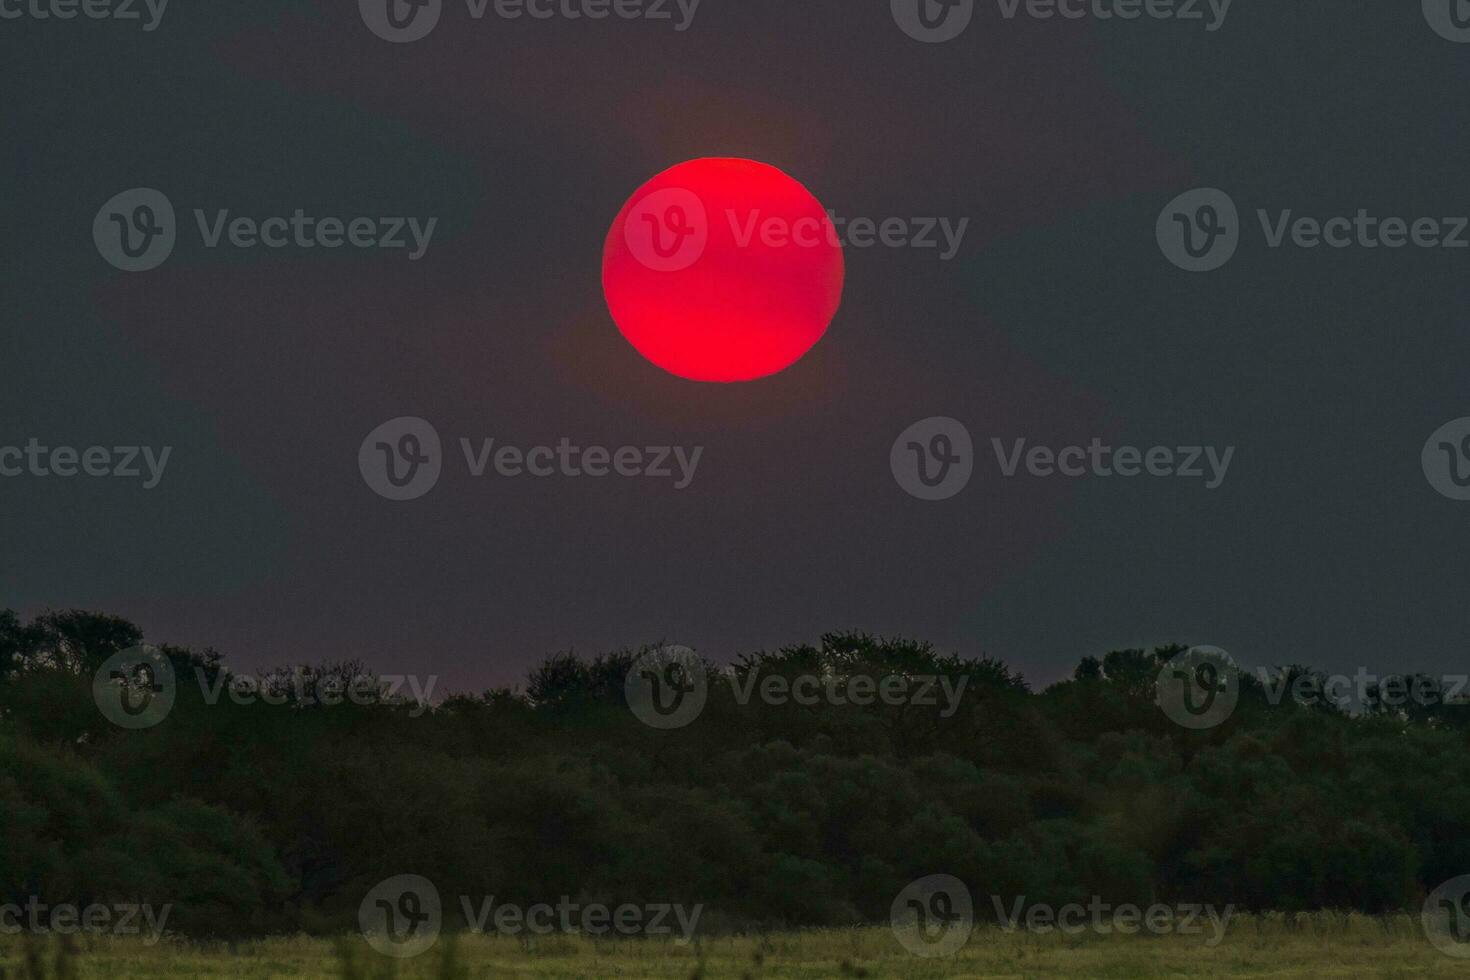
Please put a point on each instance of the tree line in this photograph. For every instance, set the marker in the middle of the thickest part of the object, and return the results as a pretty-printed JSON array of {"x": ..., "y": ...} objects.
[{"x": 253, "y": 815}]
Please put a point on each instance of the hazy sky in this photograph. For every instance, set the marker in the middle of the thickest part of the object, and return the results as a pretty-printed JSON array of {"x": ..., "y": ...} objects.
[{"x": 1058, "y": 321}]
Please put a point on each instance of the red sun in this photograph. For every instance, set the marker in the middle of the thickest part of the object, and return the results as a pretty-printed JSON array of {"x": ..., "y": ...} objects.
[{"x": 722, "y": 270}]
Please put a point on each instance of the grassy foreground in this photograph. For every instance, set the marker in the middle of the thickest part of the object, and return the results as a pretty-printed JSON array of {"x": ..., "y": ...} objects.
[{"x": 1316, "y": 947}]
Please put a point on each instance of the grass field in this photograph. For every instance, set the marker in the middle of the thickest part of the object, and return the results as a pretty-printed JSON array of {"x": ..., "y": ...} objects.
[{"x": 1317, "y": 947}]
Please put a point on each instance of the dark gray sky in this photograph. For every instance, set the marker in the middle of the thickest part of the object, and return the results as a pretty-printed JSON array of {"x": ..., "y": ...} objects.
[{"x": 1058, "y": 321}]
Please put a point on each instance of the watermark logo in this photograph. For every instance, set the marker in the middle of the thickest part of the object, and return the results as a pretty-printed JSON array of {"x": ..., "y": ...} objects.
[
  {"x": 933, "y": 916},
  {"x": 305, "y": 689},
  {"x": 1103, "y": 918},
  {"x": 1199, "y": 230},
  {"x": 1199, "y": 688},
  {"x": 933, "y": 21},
  {"x": 1097, "y": 459},
  {"x": 120, "y": 10},
  {"x": 858, "y": 690},
  {"x": 1363, "y": 689},
  {"x": 937, "y": 21},
  {"x": 1449, "y": 18},
  {"x": 668, "y": 230},
  {"x": 67, "y": 919},
  {"x": 1446, "y": 917},
  {"x": 933, "y": 459},
  {"x": 401, "y": 459},
  {"x": 777, "y": 231},
  {"x": 117, "y": 462},
  {"x": 135, "y": 688},
  {"x": 402, "y": 916},
  {"x": 1446, "y": 459},
  {"x": 1211, "y": 12},
  {"x": 135, "y": 231},
  {"x": 138, "y": 688},
  {"x": 401, "y": 21},
  {"x": 667, "y": 688},
  {"x": 566, "y": 459},
  {"x": 571, "y": 917}
]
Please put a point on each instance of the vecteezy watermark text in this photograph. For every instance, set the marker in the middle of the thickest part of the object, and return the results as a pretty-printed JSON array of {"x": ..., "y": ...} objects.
[
  {"x": 933, "y": 459},
  {"x": 1207, "y": 463},
  {"x": 1200, "y": 230},
  {"x": 403, "y": 916},
  {"x": 668, "y": 688},
  {"x": 1201, "y": 687},
  {"x": 148, "y": 13},
  {"x": 570, "y": 460},
  {"x": 937, "y": 21},
  {"x": 137, "y": 230},
  {"x": 405, "y": 21},
  {"x": 934, "y": 916},
  {"x": 138, "y": 687},
  {"x": 65, "y": 919},
  {"x": 402, "y": 459},
  {"x": 669, "y": 230},
  {"x": 1104, "y": 918},
  {"x": 858, "y": 690},
  {"x": 592, "y": 918},
  {"x": 774, "y": 231},
  {"x": 121, "y": 462},
  {"x": 305, "y": 690}
]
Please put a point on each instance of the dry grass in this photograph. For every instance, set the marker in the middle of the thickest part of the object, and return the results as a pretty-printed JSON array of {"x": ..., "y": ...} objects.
[{"x": 1321, "y": 947}]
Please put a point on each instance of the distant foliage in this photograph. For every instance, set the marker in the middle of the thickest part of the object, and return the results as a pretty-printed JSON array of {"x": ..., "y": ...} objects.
[{"x": 260, "y": 817}]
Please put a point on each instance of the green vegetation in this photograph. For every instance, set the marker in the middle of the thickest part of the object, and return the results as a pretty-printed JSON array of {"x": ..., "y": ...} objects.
[
  {"x": 254, "y": 820},
  {"x": 1318, "y": 947}
]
